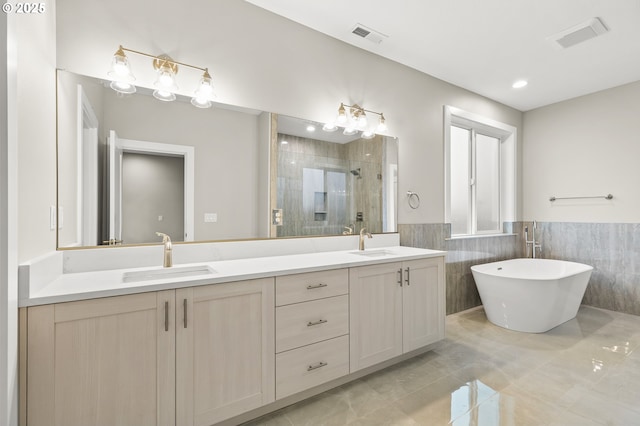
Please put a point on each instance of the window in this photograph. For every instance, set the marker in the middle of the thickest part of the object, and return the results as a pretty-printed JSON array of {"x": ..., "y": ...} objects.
[{"x": 480, "y": 168}]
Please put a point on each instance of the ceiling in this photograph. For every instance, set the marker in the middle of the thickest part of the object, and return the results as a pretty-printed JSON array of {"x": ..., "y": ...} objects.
[{"x": 485, "y": 46}]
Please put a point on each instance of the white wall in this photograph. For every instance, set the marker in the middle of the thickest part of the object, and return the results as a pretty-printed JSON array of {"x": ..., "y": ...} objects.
[
  {"x": 582, "y": 147},
  {"x": 8, "y": 231},
  {"x": 36, "y": 120},
  {"x": 262, "y": 61}
]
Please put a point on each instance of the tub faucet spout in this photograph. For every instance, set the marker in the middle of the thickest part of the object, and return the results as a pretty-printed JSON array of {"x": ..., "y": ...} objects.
[{"x": 533, "y": 243}]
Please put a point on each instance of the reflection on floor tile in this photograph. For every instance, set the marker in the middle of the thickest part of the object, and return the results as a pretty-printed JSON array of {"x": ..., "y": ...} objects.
[{"x": 584, "y": 372}]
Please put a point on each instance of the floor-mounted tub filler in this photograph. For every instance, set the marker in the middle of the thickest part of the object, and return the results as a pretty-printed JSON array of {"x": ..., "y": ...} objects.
[{"x": 531, "y": 295}]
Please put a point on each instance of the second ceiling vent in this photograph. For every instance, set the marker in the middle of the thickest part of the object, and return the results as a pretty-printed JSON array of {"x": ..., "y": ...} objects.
[
  {"x": 578, "y": 34},
  {"x": 368, "y": 34}
]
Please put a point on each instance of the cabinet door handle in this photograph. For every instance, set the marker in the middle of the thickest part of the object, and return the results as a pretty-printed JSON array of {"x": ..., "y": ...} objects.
[
  {"x": 166, "y": 316},
  {"x": 311, "y": 324},
  {"x": 184, "y": 309},
  {"x": 400, "y": 277},
  {"x": 318, "y": 365},
  {"x": 408, "y": 279},
  {"x": 314, "y": 286}
]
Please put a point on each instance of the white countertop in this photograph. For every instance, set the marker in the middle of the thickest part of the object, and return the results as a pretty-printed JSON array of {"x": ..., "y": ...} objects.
[{"x": 88, "y": 285}]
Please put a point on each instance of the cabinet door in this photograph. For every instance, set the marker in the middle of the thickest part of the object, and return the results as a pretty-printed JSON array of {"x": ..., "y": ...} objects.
[
  {"x": 375, "y": 302},
  {"x": 423, "y": 302},
  {"x": 225, "y": 355},
  {"x": 107, "y": 361}
]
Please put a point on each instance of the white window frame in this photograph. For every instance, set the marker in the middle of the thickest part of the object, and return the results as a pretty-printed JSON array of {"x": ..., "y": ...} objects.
[{"x": 507, "y": 173}]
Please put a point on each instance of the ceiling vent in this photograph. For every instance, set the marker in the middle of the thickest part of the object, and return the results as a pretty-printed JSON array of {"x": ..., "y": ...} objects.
[
  {"x": 579, "y": 33},
  {"x": 368, "y": 34}
]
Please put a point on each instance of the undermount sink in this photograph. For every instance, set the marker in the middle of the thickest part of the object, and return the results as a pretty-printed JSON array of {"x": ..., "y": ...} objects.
[
  {"x": 167, "y": 273},
  {"x": 374, "y": 253}
]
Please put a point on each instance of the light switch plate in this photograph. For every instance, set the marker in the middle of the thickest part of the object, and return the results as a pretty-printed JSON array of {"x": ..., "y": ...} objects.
[{"x": 211, "y": 217}]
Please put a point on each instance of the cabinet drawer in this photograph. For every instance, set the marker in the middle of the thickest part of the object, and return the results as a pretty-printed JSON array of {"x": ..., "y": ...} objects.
[
  {"x": 311, "y": 286},
  {"x": 310, "y": 322},
  {"x": 312, "y": 365}
]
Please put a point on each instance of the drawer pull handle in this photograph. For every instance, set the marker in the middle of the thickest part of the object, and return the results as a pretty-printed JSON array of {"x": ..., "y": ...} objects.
[
  {"x": 311, "y": 324},
  {"x": 400, "y": 277},
  {"x": 318, "y": 365},
  {"x": 408, "y": 279},
  {"x": 315, "y": 286}
]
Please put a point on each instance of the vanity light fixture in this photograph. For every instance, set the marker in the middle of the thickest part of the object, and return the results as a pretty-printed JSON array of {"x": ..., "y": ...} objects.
[
  {"x": 166, "y": 87},
  {"x": 353, "y": 118}
]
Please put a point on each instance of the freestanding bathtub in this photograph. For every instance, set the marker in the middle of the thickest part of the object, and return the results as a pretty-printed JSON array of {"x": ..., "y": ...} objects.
[{"x": 531, "y": 295}]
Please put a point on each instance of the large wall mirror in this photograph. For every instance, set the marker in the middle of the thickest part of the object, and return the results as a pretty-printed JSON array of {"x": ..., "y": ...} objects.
[{"x": 129, "y": 166}]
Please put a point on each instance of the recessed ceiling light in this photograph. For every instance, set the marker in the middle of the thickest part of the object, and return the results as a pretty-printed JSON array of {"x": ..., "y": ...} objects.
[{"x": 519, "y": 84}]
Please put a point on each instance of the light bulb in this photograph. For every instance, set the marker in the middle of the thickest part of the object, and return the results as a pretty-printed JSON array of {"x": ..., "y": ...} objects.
[
  {"x": 204, "y": 93},
  {"x": 311, "y": 128}
]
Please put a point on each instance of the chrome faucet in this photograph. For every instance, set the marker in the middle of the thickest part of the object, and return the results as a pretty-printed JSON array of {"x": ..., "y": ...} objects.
[
  {"x": 166, "y": 240},
  {"x": 534, "y": 245},
  {"x": 362, "y": 235}
]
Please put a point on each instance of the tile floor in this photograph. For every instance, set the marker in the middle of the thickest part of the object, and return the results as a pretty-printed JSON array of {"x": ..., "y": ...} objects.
[{"x": 584, "y": 372}]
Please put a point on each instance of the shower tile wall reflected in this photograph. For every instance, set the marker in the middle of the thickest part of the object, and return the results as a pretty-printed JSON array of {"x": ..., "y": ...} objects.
[
  {"x": 322, "y": 185},
  {"x": 461, "y": 291}
]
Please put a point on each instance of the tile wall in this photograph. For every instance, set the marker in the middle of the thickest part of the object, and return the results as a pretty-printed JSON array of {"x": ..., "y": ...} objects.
[
  {"x": 613, "y": 249},
  {"x": 344, "y": 193}
]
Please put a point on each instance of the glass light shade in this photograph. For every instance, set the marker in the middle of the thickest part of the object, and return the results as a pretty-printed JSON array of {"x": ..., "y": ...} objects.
[
  {"x": 330, "y": 127},
  {"x": 311, "y": 128},
  {"x": 123, "y": 87},
  {"x": 166, "y": 80},
  {"x": 164, "y": 95},
  {"x": 342, "y": 115},
  {"x": 120, "y": 69},
  {"x": 349, "y": 131},
  {"x": 200, "y": 102},
  {"x": 382, "y": 126},
  {"x": 368, "y": 134},
  {"x": 204, "y": 93},
  {"x": 362, "y": 121}
]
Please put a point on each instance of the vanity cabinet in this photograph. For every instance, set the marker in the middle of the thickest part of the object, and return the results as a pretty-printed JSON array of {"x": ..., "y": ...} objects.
[
  {"x": 107, "y": 361},
  {"x": 224, "y": 350},
  {"x": 395, "y": 308},
  {"x": 144, "y": 359}
]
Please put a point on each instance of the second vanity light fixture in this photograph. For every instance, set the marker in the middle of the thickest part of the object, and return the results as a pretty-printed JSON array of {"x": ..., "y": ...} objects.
[
  {"x": 166, "y": 86},
  {"x": 353, "y": 118}
]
